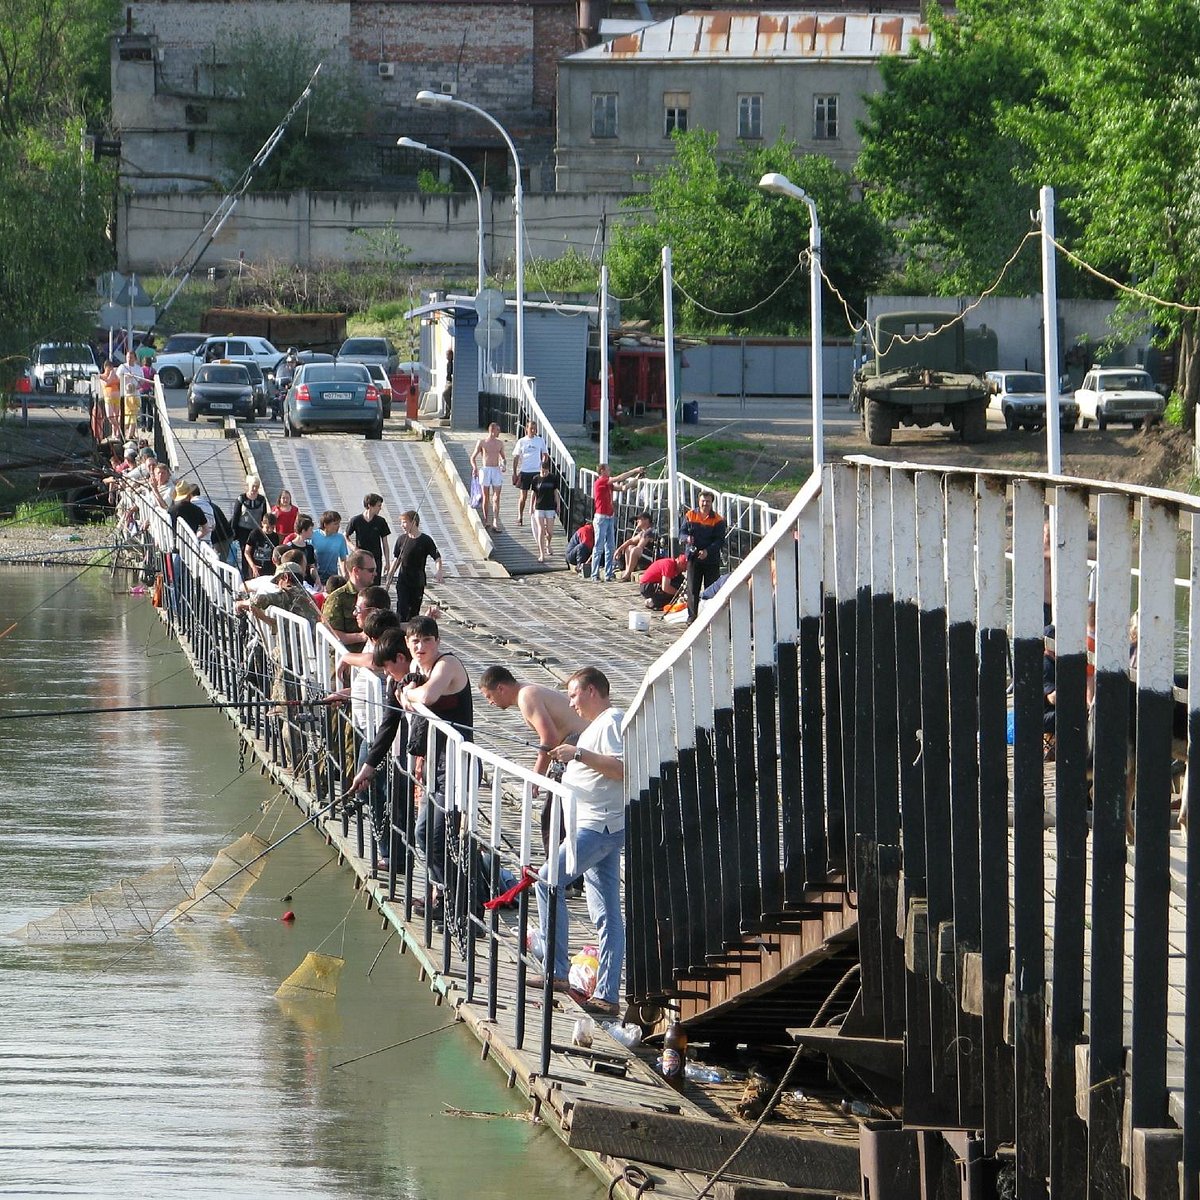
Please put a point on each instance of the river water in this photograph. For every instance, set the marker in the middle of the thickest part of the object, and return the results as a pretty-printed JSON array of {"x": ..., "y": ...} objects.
[{"x": 171, "y": 1067}]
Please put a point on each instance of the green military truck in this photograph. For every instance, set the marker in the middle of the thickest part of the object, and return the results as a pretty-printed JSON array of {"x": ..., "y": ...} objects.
[{"x": 920, "y": 376}]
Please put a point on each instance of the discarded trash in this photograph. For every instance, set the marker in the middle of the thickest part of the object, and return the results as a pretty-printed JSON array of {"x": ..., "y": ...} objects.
[
  {"x": 700, "y": 1073},
  {"x": 585, "y": 1029},
  {"x": 288, "y": 916},
  {"x": 628, "y": 1035}
]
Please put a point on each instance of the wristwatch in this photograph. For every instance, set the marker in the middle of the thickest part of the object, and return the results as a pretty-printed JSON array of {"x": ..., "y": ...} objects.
[{"x": 578, "y": 755}]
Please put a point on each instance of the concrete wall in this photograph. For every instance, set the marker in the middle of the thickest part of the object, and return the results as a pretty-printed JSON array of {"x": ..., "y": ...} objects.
[
  {"x": 154, "y": 230},
  {"x": 1017, "y": 323}
]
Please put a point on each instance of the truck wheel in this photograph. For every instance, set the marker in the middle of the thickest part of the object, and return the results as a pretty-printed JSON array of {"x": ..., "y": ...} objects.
[
  {"x": 171, "y": 377},
  {"x": 1101, "y": 423},
  {"x": 1136, "y": 425},
  {"x": 1010, "y": 422},
  {"x": 878, "y": 423},
  {"x": 974, "y": 421},
  {"x": 192, "y": 414}
]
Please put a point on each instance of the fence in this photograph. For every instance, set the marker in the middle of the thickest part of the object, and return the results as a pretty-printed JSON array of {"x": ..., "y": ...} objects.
[
  {"x": 840, "y": 720},
  {"x": 275, "y": 676}
]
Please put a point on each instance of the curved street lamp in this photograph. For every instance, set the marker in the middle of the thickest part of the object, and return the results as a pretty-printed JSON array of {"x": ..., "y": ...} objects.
[
  {"x": 442, "y": 100},
  {"x": 412, "y": 144},
  {"x": 781, "y": 185}
]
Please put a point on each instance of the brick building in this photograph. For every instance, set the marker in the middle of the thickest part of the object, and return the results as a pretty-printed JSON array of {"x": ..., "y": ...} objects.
[{"x": 170, "y": 72}]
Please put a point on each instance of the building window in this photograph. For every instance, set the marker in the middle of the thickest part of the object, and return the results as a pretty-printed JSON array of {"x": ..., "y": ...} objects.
[
  {"x": 825, "y": 117},
  {"x": 675, "y": 112},
  {"x": 604, "y": 114},
  {"x": 750, "y": 116}
]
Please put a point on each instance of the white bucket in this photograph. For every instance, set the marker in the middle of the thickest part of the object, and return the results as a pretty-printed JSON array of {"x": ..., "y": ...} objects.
[{"x": 639, "y": 622}]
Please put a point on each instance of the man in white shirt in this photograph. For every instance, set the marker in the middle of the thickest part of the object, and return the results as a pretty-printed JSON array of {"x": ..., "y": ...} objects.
[
  {"x": 595, "y": 773},
  {"x": 527, "y": 462}
]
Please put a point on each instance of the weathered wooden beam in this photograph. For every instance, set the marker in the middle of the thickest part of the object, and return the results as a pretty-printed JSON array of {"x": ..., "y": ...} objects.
[
  {"x": 767, "y": 1191},
  {"x": 883, "y": 1055},
  {"x": 689, "y": 1144}
]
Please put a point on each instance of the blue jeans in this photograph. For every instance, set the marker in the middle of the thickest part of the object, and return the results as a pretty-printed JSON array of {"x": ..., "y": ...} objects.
[
  {"x": 605, "y": 554},
  {"x": 598, "y": 859}
]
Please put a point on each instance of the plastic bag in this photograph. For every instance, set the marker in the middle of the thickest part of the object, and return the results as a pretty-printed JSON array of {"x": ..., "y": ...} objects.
[
  {"x": 476, "y": 492},
  {"x": 585, "y": 967}
]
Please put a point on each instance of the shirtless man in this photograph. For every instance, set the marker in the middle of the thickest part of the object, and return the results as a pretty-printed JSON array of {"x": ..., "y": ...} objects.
[
  {"x": 545, "y": 710},
  {"x": 491, "y": 478}
]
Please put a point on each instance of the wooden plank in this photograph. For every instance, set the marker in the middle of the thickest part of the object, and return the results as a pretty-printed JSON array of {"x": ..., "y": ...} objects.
[
  {"x": 995, "y": 950},
  {"x": 685, "y": 1143},
  {"x": 885, "y": 787},
  {"x": 812, "y": 708},
  {"x": 937, "y": 1105},
  {"x": 1068, "y": 1153},
  {"x": 1190, "y": 1098},
  {"x": 1029, "y": 926},
  {"x": 1105, "y": 1082},
  {"x": 963, "y": 699},
  {"x": 766, "y": 734},
  {"x": 839, "y": 666},
  {"x": 1151, "y": 883}
]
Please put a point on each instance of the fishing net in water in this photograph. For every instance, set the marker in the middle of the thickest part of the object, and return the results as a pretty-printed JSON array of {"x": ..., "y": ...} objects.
[
  {"x": 129, "y": 908},
  {"x": 223, "y": 887},
  {"x": 314, "y": 979},
  {"x": 134, "y": 907}
]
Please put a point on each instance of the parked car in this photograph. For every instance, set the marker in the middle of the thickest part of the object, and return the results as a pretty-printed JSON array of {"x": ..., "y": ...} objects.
[
  {"x": 221, "y": 389},
  {"x": 176, "y": 370},
  {"x": 183, "y": 343},
  {"x": 333, "y": 396},
  {"x": 264, "y": 389},
  {"x": 384, "y": 384},
  {"x": 368, "y": 350},
  {"x": 1110, "y": 394},
  {"x": 1020, "y": 398},
  {"x": 57, "y": 366}
]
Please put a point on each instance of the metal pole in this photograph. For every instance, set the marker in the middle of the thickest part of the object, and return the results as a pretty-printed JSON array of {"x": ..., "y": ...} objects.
[
  {"x": 427, "y": 97},
  {"x": 480, "y": 269},
  {"x": 669, "y": 341},
  {"x": 818, "y": 347},
  {"x": 604, "y": 364},
  {"x": 1050, "y": 332}
]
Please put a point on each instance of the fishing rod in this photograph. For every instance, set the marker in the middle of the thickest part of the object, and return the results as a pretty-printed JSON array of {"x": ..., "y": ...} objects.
[
  {"x": 74, "y": 579},
  {"x": 662, "y": 458},
  {"x": 144, "y": 708},
  {"x": 183, "y": 910}
]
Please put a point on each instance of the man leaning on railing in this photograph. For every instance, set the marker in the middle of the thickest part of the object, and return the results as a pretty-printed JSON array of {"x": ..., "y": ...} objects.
[{"x": 595, "y": 772}]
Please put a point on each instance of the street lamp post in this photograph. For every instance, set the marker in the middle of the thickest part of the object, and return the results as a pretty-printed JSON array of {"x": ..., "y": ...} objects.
[
  {"x": 441, "y": 99},
  {"x": 412, "y": 144},
  {"x": 781, "y": 185}
]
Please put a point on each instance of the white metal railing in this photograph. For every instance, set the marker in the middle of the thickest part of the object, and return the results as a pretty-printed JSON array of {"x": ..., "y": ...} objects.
[
  {"x": 523, "y": 394},
  {"x": 746, "y": 517}
]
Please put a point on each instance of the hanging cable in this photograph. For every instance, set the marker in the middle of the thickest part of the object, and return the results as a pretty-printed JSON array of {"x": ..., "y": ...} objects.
[{"x": 800, "y": 260}]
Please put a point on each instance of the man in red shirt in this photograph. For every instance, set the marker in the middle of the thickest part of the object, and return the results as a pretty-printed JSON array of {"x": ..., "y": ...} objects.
[
  {"x": 604, "y": 557},
  {"x": 662, "y": 579}
]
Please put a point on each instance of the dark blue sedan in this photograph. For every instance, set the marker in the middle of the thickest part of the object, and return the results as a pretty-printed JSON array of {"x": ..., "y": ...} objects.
[{"x": 335, "y": 397}]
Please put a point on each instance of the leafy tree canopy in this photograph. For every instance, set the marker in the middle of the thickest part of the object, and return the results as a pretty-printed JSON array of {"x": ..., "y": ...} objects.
[
  {"x": 53, "y": 61},
  {"x": 1113, "y": 128},
  {"x": 54, "y": 202},
  {"x": 939, "y": 161},
  {"x": 733, "y": 245},
  {"x": 317, "y": 148}
]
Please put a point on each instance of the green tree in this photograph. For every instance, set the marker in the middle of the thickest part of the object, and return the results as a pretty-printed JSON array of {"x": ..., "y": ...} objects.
[
  {"x": 939, "y": 161},
  {"x": 733, "y": 245},
  {"x": 53, "y": 61},
  {"x": 258, "y": 88},
  {"x": 1113, "y": 126},
  {"x": 54, "y": 204}
]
